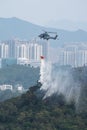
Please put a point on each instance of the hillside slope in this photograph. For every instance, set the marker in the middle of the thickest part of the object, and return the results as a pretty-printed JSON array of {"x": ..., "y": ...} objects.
[
  {"x": 30, "y": 112},
  {"x": 16, "y": 74}
]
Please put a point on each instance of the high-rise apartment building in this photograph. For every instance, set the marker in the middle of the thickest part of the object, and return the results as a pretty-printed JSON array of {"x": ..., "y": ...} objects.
[
  {"x": 4, "y": 50},
  {"x": 74, "y": 55},
  {"x": 23, "y": 50}
]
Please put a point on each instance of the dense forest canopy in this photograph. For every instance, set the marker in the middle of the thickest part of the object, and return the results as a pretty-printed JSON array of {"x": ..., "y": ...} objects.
[{"x": 30, "y": 112}]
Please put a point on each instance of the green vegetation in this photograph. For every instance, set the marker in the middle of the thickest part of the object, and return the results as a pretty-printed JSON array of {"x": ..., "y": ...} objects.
[
  {"x": 16, "y": 74},
  {"x": 7, "y": 94},
  {"x": 30, "y": 112}
]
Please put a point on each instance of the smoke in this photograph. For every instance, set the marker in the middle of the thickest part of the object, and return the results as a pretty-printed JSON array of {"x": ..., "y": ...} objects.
[{"x": 58, "y": 81}]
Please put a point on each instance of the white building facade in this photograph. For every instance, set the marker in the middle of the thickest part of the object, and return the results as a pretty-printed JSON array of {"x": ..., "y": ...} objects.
[
  {"x": 74, "y": 55},
  {"x": 24, "y": 51}
]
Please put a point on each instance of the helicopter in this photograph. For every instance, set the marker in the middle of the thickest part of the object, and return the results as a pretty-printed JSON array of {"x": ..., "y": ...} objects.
[{"x": 46, "y": 35}]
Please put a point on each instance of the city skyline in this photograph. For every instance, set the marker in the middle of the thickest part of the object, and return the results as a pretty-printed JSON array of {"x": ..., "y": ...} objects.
[
  {"x": 26, "y": 52},
  {"x": 74, "y": 55}
]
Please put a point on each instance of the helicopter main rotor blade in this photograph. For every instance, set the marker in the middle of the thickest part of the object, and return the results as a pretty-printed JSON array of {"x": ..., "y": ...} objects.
[
  {"x": 44, "y": 31},
  {"x": 49, "y": 32},
  {"x": 53, "y": 32}
]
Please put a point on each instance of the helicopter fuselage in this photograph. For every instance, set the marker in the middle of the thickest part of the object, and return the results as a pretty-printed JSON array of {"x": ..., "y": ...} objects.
[{"x": 47, "y": 37}]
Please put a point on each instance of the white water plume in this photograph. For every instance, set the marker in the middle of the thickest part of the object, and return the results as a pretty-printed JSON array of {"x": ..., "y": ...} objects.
[{"x": 58, "y": 81}]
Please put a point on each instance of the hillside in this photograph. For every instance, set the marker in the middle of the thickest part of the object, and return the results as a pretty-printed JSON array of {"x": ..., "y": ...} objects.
[
  {"x": 24, "y": 75},
  {"x": 16, "y": 74},
  {"x": 14, "y": 27},
  {"x": 31, "y": 112}
]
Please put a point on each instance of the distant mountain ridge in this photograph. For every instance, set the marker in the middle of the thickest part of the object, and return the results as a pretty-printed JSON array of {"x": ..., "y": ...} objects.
[
  {"x": 68, "y": 24},
  {"x": 14, "y": 27}
]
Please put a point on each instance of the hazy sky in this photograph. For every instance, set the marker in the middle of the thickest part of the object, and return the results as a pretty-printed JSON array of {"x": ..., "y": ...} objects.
[{"x": 43, "y": 11}]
